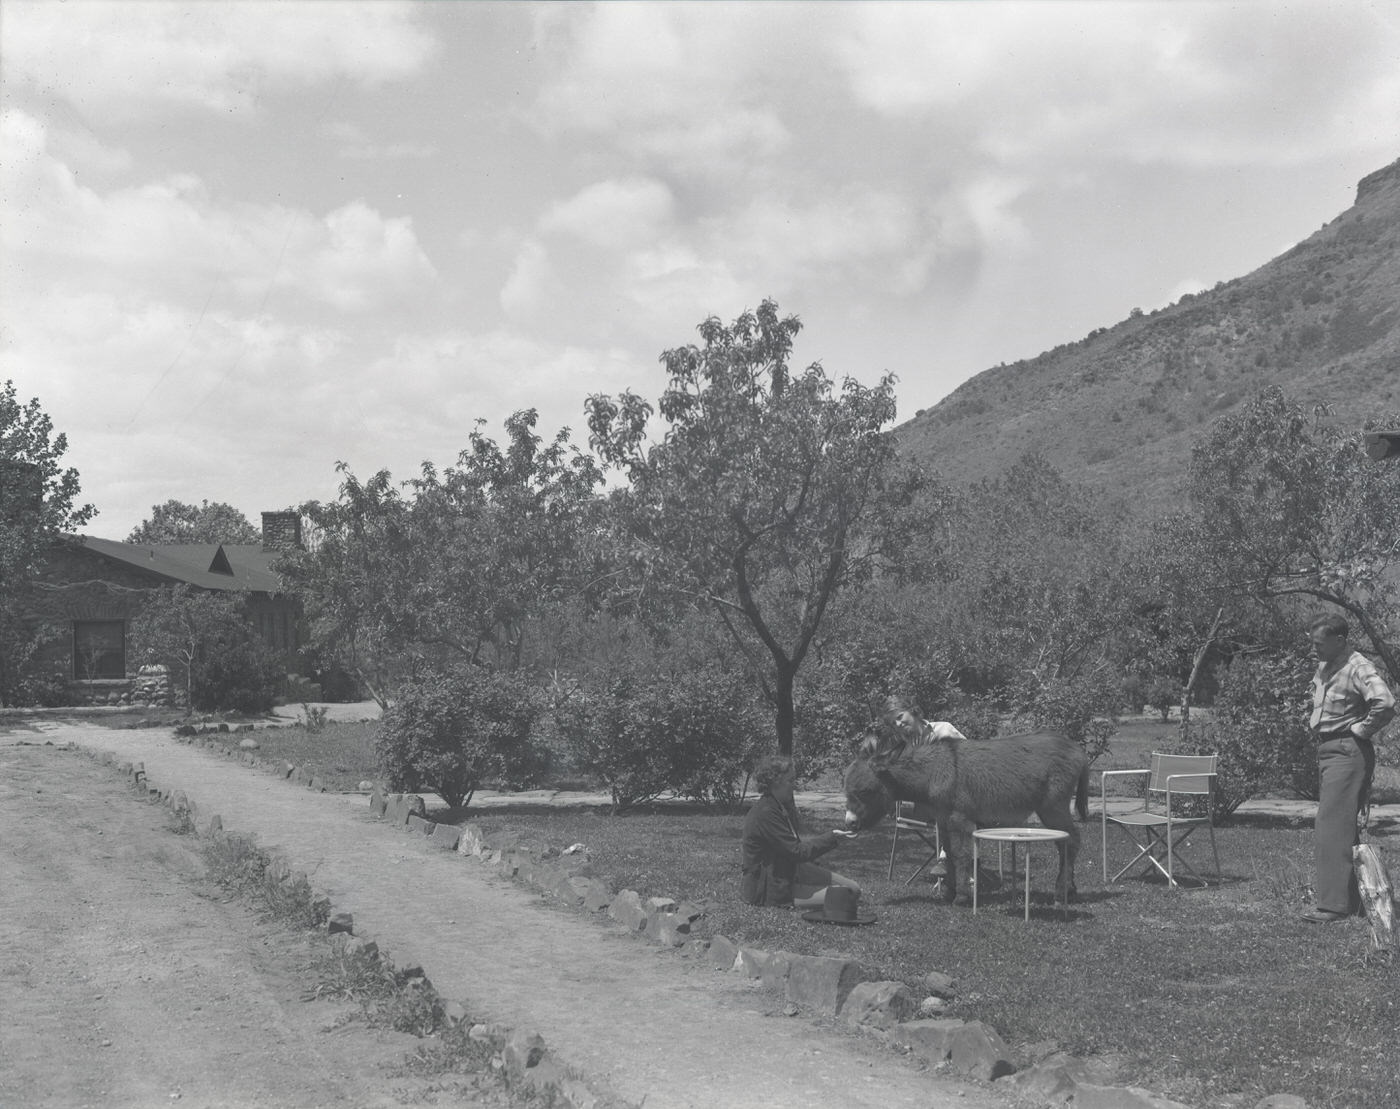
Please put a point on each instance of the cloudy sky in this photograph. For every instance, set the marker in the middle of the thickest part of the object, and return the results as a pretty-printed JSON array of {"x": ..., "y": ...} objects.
[{"x": 244, "y": 241}]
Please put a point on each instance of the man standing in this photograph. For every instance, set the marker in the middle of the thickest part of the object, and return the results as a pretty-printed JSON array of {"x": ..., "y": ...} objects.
[{"x": 1351, "y": 703}]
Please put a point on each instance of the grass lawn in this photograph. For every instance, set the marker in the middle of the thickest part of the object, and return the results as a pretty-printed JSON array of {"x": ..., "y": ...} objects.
[
  {"x": 1214, "y": 997},
  {"x": 341, "y": 753}
]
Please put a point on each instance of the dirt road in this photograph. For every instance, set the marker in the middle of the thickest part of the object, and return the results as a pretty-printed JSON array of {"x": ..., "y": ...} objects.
[
  {"x": 129, "y": 980},
  {"x": 657, "y": 1029}
]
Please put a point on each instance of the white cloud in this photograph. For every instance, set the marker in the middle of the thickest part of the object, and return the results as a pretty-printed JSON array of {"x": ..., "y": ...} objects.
[
  {"x": 1188, "y": 83},
  {"x": 169, "y": 238},
  {"x": 116, "y": 57},
  {"x": 367, "y": 260},
  {"x": 532, "y": 283},
  {"x": 614, "y": 214},
  {"x": 687, "y": 86},
  {"x": 357, "y": 145}
]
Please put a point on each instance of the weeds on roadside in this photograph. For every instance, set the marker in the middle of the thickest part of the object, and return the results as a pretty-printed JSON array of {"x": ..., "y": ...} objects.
[
  {"x": 239, "y": 865},
  {"x": 315, "y": 716},
  {"x": 388, "y": 997},
  {"x": 180, "y": 823}
]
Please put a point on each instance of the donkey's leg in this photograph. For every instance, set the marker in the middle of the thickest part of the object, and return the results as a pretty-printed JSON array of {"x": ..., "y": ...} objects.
[
  {"x": 959, "y": 847},
  {"x": 1061, "y": 820}
]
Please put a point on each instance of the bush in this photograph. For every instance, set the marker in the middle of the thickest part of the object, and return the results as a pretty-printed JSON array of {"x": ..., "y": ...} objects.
[
  {"x": 1162, "y": 694},
  {"x": 880, "y": 646},
  {"x": 692, "y": 732},
  {"x": 47, "y": 691},
  {"x": 452, "y": 732},
  {"x": 1082, "y": 708},
  {"x": 236, "y": 672},
  {"x": 215, "y": 657},
  {"x": 1259, "y": 728}
]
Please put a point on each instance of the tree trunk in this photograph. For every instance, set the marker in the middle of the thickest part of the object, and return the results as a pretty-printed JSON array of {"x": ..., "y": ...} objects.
[
  {"x": 1190, "y": 686},
  {"x": 785, "y": 714},
  {"x": 1377, "y": 896}
]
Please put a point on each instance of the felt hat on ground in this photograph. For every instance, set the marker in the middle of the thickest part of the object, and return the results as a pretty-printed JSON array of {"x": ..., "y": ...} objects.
[{"x": 840, "y": 906}]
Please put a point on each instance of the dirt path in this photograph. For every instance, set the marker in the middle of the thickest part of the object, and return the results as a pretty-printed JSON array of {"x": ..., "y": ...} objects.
[
  {"x": 129, "y": 980},
  {"x": 657, "y": 1029}
]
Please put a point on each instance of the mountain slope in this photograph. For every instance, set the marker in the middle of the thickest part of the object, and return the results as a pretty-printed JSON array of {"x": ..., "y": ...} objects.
[{"x": 1120, "y": 408}]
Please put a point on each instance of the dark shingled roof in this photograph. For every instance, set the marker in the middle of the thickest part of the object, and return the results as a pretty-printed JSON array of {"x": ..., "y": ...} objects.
[{"x": 228, "y": 566}]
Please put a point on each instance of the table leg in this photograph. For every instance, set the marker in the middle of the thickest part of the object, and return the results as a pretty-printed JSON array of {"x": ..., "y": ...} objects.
[
  {"x": 974, "y": 876},
  {"x": 1028, "y": 884}
]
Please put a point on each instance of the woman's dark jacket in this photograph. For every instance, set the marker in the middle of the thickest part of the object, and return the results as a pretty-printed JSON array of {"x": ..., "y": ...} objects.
[{"x": 771, "y": 850}]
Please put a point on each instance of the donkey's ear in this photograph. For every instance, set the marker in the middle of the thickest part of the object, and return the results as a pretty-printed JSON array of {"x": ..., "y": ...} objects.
[{"x": 882, "y": 760}]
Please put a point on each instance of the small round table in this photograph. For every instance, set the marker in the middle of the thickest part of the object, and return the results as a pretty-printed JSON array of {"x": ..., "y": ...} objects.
[{"x": 1015, "y": 836}]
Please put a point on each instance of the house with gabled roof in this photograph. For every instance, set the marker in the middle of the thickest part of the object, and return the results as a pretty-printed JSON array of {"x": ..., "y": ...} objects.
[{"x": 92, "y": 589}]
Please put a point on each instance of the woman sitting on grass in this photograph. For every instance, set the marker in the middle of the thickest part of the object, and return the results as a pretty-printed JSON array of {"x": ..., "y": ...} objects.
[{"x": 777, "y": 861}]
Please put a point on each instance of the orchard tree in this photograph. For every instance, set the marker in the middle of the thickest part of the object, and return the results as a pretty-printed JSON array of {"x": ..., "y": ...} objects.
[
  {"x": 766, "y": 494},
  {"x": 1031, "y": 598},
  {"x": 450, "y": 568},
  {"x": 508, "y": 528},
  {"x": 38, "y": 504},
  {"x": 1284, "y": 507},
  {"x": 177, "y": 522},
  {"x": 353, "y": 578}
]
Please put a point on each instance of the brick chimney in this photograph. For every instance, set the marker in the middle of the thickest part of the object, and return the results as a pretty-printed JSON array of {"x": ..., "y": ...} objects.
[{"x": 281, "y": 531}]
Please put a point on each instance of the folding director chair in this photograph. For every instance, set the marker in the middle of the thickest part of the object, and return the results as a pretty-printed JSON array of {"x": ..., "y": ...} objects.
[
  {"x": 1177, "y": 800},
  {"x": 907, "y": 819}
]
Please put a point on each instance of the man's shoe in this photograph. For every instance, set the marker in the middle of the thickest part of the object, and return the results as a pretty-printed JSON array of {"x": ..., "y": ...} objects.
[{"x": 1324, "y": 916}]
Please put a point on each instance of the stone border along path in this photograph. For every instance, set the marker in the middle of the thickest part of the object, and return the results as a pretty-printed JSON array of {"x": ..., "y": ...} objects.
[{"x": 639, "y": 1023}]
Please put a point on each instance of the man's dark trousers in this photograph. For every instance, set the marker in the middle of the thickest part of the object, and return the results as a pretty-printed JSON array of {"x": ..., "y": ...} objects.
[{"x": 1345, "y": 765}]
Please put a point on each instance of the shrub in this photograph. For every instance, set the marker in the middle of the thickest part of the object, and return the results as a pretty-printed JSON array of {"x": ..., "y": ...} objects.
[
  {"x": 46, "y": 690},
  {"x": 1082, "y": 708},
  {"x": 880, "y": 645},
  {"x": 452, "y": 732},
  {"x": 692, "y": 732},
  {"x": 236, "y": 673},
  {"x": 215, "y": 658},
  {"x": 1259, "y": 728},
  {"x": 1162, "y": 694}
]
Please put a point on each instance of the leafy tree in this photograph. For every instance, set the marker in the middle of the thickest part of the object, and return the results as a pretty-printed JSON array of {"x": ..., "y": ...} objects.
[
  {"x": 1285, "y": 508},
  {"x": 360, "y": 561},
  {"x": 1259, "y": 728},
  {"x": 507, "y": 531},
  {"x": 453, "y": 731},
  {"x": 452, "y": 570},
  {"x": 209, "y": 647},
  {"x": 38, "y": 504},
  {"x": 766, "y": 494},
  {"x": 177, "y": 522},
  {"x": 1027, "y": 598}
]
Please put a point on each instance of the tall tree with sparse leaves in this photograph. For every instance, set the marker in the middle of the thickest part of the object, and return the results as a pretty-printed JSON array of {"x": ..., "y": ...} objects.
[
  {"x": 766, "y": 494},
  {"x": 38, "y": 505}
]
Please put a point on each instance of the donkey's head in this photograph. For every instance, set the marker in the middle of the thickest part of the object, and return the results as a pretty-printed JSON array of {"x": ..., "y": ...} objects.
[{"x": 868, "y": 798}]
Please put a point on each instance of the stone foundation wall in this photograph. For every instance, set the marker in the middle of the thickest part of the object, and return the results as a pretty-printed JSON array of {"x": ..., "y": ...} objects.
[{"x": 150, "y": 686}]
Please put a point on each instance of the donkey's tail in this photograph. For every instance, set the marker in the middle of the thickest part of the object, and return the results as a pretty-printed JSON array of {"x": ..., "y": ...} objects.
[{"x": 1081, "y": 795}]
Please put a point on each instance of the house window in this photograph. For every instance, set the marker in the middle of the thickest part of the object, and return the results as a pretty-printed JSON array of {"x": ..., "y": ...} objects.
[{"x": 99, "y": 649}]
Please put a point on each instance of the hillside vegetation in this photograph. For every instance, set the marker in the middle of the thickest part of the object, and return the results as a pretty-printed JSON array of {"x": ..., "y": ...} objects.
[{"x": 1119, "y": 409}]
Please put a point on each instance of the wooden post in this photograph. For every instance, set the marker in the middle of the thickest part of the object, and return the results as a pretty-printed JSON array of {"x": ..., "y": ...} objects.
[{"x": 1377, "y": 896}]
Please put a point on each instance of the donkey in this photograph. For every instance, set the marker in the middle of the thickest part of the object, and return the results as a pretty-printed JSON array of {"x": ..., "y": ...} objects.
[{"x": 972, "y": 783}]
